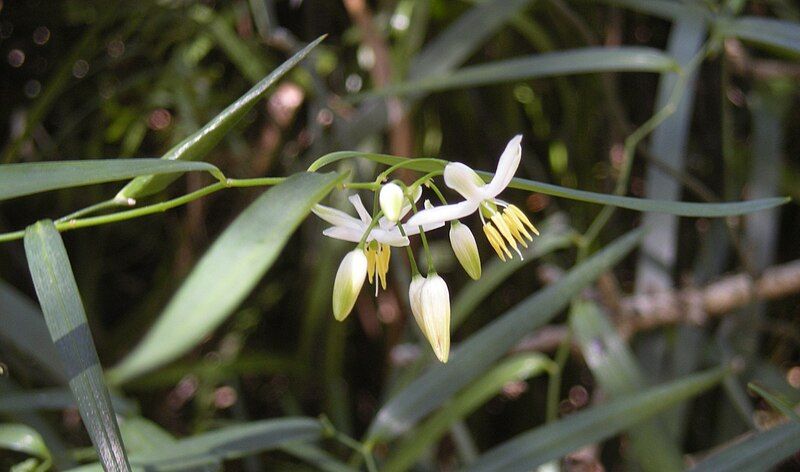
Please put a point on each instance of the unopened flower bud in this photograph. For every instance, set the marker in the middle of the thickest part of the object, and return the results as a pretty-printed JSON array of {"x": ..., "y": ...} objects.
[
  {"x": 391, "y": 200},
  {"x": 465, "y": 248},
  {"x": 349, "y": 279},
  {"x": 432, "y": 304},
  {"x": 414, "y": 292}
]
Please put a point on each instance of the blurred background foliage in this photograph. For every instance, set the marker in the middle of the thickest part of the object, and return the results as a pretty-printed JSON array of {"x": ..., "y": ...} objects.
[{"x": 92, "y": 79}]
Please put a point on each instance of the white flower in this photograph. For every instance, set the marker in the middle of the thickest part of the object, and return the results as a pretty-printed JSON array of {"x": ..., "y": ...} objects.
[
  {"x": 430, "y": 304},
  {"x": 379, "y": 239},
  {"x": 392, "y": 201},
  {"x": 349, "y": 280},
  {"x": 506, "y": 227},
  {"x": 466, "y": 249}
]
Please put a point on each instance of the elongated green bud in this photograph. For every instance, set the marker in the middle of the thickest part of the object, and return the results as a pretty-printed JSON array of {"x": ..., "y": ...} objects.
[
  {"x": 391, "y": 199},
  {"x": 349, "y": 280},
  {"x": 466, "y": 249},
  {"x": 432, "y": 304}
]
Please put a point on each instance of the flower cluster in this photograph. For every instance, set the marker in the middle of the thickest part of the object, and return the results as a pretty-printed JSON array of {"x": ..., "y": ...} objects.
[{"x": 504, "y": 225}]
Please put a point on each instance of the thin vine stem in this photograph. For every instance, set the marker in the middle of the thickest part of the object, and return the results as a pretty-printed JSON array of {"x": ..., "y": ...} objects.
[{"x": 63, "y": 224}]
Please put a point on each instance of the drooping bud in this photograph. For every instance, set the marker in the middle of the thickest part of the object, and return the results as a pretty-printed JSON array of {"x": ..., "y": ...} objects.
[
  {"x": 466, "y": 249},
  {"x": 414, "y": 292},
  {"x": 434, "y": 311},
  {"x": 349, "y": 280},
  {"x": 391, "y": 200}
]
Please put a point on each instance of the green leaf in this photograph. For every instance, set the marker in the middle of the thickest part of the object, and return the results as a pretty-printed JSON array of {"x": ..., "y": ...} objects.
[
  {"x": 667, "y": 9},
  {"x": 17, "y": 180},
  {"x": 143, "y": 436},
  {"x": 713, "y": 210},
  {"x": 24, "y": 330},
  {"x": 776, "y": 33},
  {"x": 63, "y": 311},
  {"x": 202, "y": 451},
  {"x": 540, "y": 445},
  {"x": 775, "y": 401},
  {"x": 758, "y": 452},
  {"x": 202, "y": 141},
  {"x": 227, "y": 272},
  {"x": 577, "y": 61},
  {"x": 614, "y": 367},
  {"x": 317, "y": 457},
  {"x": 497, "y": 271},
  {"x": 519, "y": 367},
  {"x": 478, "y": 353},
  {"x": 24, "y": 439},
  {"x": 52, "y": 399}
]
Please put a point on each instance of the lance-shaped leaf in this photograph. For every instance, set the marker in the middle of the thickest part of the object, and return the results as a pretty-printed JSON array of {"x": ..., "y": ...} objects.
[
  {"x": 227, "y": 273},
  {"x": 712, "y": 210},
  {"x": 767, "y": 31},
  {"x": 203, "y": 140},
  {"x": 17, "y": 180},
  {"x": 614, "y": 367},
  {"x": 24, "y": 439},
  {"x": 755, "y": 453},
  {"x": 66, "y": 320},
  {"x": 576, "y": 61},
  {"x": 478, "y": 353},
  {"x": 540, "y": 445}
]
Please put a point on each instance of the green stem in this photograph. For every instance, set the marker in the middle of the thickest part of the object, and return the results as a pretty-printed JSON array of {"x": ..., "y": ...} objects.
[
  {"x": 90, "y": 209},
  {"x": 385, "y": 174},
  {"x": 371, "y": 226},
  {"x": 75, "y": 223},
  {"x": 411, "y": 258},
  {"x": 554, "y": 386}
]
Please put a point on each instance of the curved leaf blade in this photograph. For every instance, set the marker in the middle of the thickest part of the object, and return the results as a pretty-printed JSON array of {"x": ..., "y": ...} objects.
[
  {"x": 200, "y": 143},
  {"x": 66, "y": 320},
  {"x": 227, "y": 272},
  {"x": 546, "y": 443},
  {"x": 570, "y": 62},
  {"x": 24, "y": 439},
  {"x": 692, "y": 209},
  {"x": 776, "y": 33},
  {"x": 18, "y": 180},
  {"x": 477, "y": 354},
  {"x": 760, "y": 451}
]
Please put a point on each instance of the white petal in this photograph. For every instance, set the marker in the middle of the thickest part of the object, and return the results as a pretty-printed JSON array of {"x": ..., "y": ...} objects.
[
  {"x": 336, "y": 217},
  {"x": 392, "y": 238},
  {"x": 412, "y": 230},
  {"x": 443, "y": 213},
  {"x": 355, "y": 200},
  {"x": 461, "y": 178},
  {"x": 506, "y": 167},
  {"x": 407, "y": 208},
  {"x": 344, "y": 233}
]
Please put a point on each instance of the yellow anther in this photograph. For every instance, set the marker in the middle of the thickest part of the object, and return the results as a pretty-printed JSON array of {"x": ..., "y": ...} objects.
[
  {"x": 496, "y": 241},
  {"x": 501, "y": 225},
  {"x": 371, "y": 256},
  {"x": 515, "y": 226},
  {"x": 521, "y": 216},
  {"x": 382, "y": 262}
]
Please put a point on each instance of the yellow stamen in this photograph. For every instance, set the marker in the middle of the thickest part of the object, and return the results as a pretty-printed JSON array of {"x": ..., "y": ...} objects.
[
  {"x": 496, "y": 241},
  {"x": 501, "y": 225},
  {"x": 515, "y": 226},
  {"x": 521, "y": 217},
  {"x": 371, "y": 256},
  {"x": 382, "y": 260}
]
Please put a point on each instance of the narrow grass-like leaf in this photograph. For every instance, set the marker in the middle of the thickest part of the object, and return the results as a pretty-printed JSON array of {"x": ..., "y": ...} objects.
[
  {"x": 25, "y": 331},
  {"x": 776, "y": 33},
  {"x": 199, "y": 144},
  {"x": 477, "y": 354},
  {"x": 712, "y": 210},
  {"x": 497, "y": 271},
  {"x": 614, "y": 367},
  {"x": 519, "y": 367},
  {"x": 667, "y": 9},
  {"x": 233, "y": 442},
  {"x": 320, "y": 459},
  {"x": 227, "y": 272},
  {"x": 757, "y": 452},
  {"x": 577, "y": 61},
  {"x": 63, "y": 311},
  {"x": 17, "y": 180},
  {"x": 143, "y": 436},
  {"x": 24, "y": 439},
  {"x": 540, "y": 445},
  {"x": 775, "y": 401},
  {"x": 52, "y": 399},
  {"x": 460, "y": 39}
]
